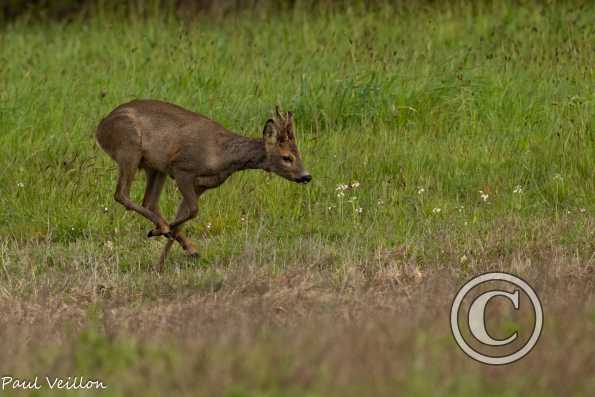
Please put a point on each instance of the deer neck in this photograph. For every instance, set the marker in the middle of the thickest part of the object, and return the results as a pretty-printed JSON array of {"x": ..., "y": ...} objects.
[{"x": 246, "y": 154}]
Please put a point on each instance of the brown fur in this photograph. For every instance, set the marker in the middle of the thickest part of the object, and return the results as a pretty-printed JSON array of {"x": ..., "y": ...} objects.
[{"x": 199, "y": 153}]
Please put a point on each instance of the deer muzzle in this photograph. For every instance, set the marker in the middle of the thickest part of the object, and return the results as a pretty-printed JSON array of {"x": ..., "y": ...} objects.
[{"x": 305, "y": 178}]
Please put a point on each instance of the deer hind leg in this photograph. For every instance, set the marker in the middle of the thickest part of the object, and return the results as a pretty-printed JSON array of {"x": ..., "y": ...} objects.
[
  {"x": 155, "y": 182},
  {"x": 128, "y": 164}
]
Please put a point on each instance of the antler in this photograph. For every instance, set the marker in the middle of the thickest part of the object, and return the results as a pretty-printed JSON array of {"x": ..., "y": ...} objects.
[
  {"x": 289, "y": 124},
  {"x": 285, "y": 122}
]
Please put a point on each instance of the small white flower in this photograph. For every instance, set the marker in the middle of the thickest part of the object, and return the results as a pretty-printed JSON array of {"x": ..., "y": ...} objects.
[
  {"x": 20, "y": 184},
  {"x": 484, "y": 196},
  {"x": 109, "y": 245},
  {"x": 72, "y": 228},
  {"x": 359, "y": 210},
  {"x": 105, "y": 209},
  {"x": 461, "y": 208},
  {"x": 583, "y": 210},
  {"x": 355, "y": 184},
  {"x": 421, "y": 190},
  {"x": 330, "y": 208},
  {"x": 209, "y": 226},
  {"x": 380, "y": 202},
  {"x": 558, "y": 177},
  {"x": 436, "y": 210},
  {"x": 518, "y": 189},
  {"x": 342, "y": 187},
  {"x": 341, "y": 194},
  {"x": 243, "y": 219}
]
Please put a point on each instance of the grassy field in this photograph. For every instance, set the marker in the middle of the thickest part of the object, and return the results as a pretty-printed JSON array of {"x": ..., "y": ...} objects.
[{"x": 469, "y": 130}]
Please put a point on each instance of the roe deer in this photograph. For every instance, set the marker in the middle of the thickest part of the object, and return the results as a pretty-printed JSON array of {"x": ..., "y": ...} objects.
[{"x": 199, "y": 153}]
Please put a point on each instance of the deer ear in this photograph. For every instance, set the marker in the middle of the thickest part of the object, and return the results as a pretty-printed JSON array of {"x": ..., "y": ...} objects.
[{"x": 270, "y": 133}]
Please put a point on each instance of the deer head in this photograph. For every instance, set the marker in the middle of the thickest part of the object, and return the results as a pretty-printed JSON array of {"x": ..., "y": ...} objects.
[{"x": 283, "y": 157}]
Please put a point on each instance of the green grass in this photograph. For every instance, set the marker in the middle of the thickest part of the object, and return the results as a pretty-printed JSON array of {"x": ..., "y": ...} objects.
[
  {"x": 427, "y": 108},
  {"x": 452, "y": 102}
]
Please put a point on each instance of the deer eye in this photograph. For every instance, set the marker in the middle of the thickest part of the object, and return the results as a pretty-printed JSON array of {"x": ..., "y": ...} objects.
[{"x": 287, "y": 159}]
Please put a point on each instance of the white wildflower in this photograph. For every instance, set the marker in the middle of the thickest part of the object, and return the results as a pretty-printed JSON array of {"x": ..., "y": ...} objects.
[
  {"x": 342, "y": 187},
  {"x": 484, "y": 196},
  {"x": 558, "y": 177},
  {"x": 109, "y": 245},
  {"x": 436, "y": 210},
  {"x": 359, "y": 210},
  {"x": 341, "y": 194},
  {"x": 518, "y": 189},
  {"x": 421, "y": 190},
  {"x": 20, "y": 184},
  {"x": 355, "y": 184},
  {"x": 209, "y": 226},
  {"x": 380, "y": 203},
  {"x": 583, "y": 210}
]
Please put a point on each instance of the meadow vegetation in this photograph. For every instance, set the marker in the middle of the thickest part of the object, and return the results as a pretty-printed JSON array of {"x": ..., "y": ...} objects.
[{"x": 443, "y": 141}]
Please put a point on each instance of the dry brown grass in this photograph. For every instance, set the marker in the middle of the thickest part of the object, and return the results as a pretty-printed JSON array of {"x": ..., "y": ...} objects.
[{"x": 374, "y": 327}]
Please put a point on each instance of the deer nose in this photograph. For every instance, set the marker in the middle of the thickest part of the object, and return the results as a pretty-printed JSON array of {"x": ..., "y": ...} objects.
[{"x": 305, "y": 178}]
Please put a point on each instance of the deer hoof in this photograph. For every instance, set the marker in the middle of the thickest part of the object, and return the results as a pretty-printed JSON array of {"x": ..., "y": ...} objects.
[
  {"x": 157, "y": 233},
  {"x": 192, "y": 254}
]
